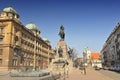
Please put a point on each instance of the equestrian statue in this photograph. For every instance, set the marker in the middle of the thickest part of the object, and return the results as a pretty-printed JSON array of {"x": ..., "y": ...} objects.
[{"x": 62, "y": 33}]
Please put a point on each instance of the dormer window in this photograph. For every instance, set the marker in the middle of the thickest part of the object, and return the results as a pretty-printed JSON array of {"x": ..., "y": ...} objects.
[{"x": 10, "y": 14}]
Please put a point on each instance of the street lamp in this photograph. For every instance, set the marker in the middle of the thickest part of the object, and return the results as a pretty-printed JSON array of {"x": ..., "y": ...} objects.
[{"x": 84, "y": 60}]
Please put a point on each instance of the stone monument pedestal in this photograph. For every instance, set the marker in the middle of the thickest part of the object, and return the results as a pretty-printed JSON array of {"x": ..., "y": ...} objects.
[
  {"x": 61, "y": 44},
  {"x": 59, "y": 62}
]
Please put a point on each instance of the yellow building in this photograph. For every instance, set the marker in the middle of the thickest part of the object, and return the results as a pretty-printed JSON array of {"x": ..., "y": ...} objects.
[{"x": 21, "y": 45}]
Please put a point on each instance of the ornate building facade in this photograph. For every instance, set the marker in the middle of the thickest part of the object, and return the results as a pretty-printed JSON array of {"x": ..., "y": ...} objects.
[
  {"x": 21, "y": 45},
  {"x": 110, "y": 52}
]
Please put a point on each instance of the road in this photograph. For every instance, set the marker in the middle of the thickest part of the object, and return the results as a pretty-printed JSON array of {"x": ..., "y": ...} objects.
[{"x": 111, "y": 74}]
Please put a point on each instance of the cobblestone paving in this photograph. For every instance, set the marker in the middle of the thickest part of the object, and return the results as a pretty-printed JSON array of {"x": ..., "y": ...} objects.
[
  {"x": 90, "y": 75},
  {"x": 75, "y": 74}
]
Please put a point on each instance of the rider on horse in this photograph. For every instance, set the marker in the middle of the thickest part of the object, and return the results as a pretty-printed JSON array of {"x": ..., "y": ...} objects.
[{"x": 61, "y": 33}]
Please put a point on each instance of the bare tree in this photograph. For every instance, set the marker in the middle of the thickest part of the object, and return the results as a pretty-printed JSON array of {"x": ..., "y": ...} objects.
[{"x": 73, "y": 54}]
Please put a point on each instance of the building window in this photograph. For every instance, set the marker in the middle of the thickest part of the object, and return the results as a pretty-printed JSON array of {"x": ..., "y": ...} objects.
[
  {"x": 1, "y": 51},
  {"x": 14, "y": 62},
  {"x": 0, "y": 62},
  {"x": 1, "y": 40},
  {"x": 1, "y": 30}
]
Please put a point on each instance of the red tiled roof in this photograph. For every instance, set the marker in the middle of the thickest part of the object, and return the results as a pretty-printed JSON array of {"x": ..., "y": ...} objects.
[{"x": 95, "y": 55}]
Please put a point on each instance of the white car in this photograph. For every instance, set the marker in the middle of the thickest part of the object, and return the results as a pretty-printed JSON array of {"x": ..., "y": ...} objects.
[{"x": 112, "y": 68}]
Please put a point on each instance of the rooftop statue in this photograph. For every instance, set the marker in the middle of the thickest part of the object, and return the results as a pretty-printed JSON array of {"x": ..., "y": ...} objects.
[{"x": 61, "y": 33}]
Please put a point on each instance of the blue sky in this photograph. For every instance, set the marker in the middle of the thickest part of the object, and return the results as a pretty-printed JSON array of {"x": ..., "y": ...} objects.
[{"x": 88, "y": 23}]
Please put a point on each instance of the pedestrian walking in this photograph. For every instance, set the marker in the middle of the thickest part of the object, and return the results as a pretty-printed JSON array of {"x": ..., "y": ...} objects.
[
  {"x": 84, "y": 71},
  {"x": 81, "y": 68}
]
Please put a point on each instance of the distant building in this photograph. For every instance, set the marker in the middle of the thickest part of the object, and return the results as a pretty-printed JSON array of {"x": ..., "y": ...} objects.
[
  {"x": 95, "y": 55},
  {"x": 21, "y": 46},
  {"x": 95, "y": 59},
  {"x": 86, "y": 55}
]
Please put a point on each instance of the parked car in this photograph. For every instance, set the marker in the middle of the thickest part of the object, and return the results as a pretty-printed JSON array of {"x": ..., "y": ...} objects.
[
  {"x": 97, "y": 68},
  {"x": 112, "y": 68},
  {"x": 105, "y": 68},
  {"x": 117, "y": 68}
]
